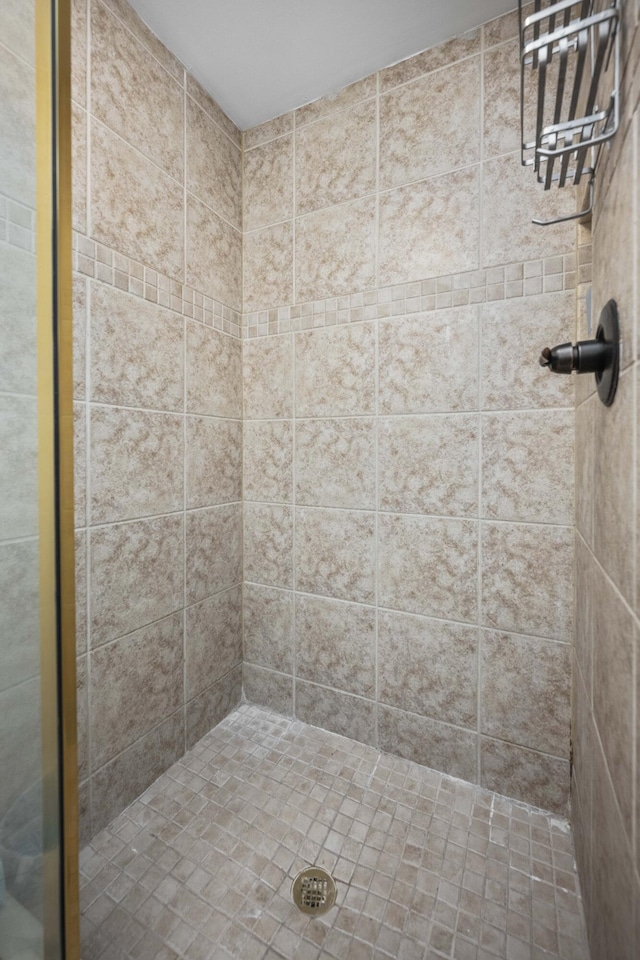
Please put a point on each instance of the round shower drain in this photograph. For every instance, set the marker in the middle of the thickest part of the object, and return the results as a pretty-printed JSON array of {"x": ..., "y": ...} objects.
[{"x": 314, "y": 891}]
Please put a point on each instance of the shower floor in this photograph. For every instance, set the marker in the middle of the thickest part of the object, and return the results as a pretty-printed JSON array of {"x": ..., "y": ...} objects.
[{"x": 426, "y": 866}]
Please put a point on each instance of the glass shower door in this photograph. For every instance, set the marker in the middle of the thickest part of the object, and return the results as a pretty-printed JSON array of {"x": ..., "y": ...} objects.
[{"x": 37, "y": 869}]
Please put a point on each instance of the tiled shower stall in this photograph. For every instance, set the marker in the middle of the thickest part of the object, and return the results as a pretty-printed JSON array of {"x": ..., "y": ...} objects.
[{"x": 318, "y": 467}]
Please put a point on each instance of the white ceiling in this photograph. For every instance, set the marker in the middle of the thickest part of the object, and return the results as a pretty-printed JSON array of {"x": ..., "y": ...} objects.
[{"x": 261, "y": 58}]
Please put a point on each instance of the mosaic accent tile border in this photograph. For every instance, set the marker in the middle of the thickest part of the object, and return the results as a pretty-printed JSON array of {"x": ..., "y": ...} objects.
[
  {"x": 93, "y": 259},
  {"x": 526, "y": 279},
  {"x": 17, "y": 224}
]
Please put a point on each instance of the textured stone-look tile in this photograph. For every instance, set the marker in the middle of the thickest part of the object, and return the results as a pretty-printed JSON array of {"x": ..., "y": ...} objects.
[
  {"x": 335, "y": 463},
  {"x": 614, "y": 473},
  {"x": 267, "y": 191},
  {"x": 269, "y": 689},
  {"x": 18, "y": 372},
  {"x": 335, "y": 371},
  {"x": 336, "y": 158},
  {"x": 213, "y": 640},
  {"x": 213, "y": 461},
  {"x": 429, "y": 465},
  {"x": 137, "y": 464},
  {"x": 214, "y": 363},
  {"x": 18, "y": 468},
  {"x": 268, "y": 460},
  {"x": 504, "y": 27},
  {"x": 214, "y": 165},
  {"x": 415, "y": 378},
  {"x": 613, "y": 688},
  {"x": 79, "y": 168},
  {"x": 119, "y": 782},
  {"x": 335, "y": 553},
  {"x": 346, "y": 97},
  {"x": 214, "y": 550},
  {"x": 269, "y": 130},
  {"x": 80, "y": 463},
  {"x": 336, "y": 644},
  {"x": 513, "y": 332},
  {"x": 427, "y": 741},
  {"x": 527, "y": 466},
  {"x": 21, "y": 733},
  {"x": 19, "y": 613},
  {"x": 527, "y": 574},
  {"x": 526, "y": 685},
  {"x": 430, "y": 126},
  {"x": 502, "y": 101},
  {"x": 433, "y": 58},
  {"x": 585, "y": 605},
  {"x": 335, "y": 250},
  {"x": 135, "y": 207},
  {"x": 209, "y": 105},
  {"x": 429, "y": 667},
  {"x": 146, "y": 670},
  {"x": 268, "y": 627},
  {"x": 78, "y": 50},
  {"x": 82, "y": 701},
  {"x": 17, "y": 119},
  {"x": 512, "y": 198},
  {"x": 124, "y": 370},
  {"x": 268, "y": 267},
  {"x": 214, "y": 255},
  {"x": 524, "y": 775},
  {"x": 339, "y": 712},
  {"x": 206, "y": 711},
  {"x": 268, "y": 544},
  {"x": 136, "y": 575},
  {"x": 79, "y": 335},
  {"x": 127, "y": 15},
  {"x": 268, "y": 378},
  {"x": 120, "y": 69},
  {"x": 80, "y": 558},
  {"x": 584, "y": 468},
  {"x": 428, "y": 566},
  {"x": 415, "y": 218}
]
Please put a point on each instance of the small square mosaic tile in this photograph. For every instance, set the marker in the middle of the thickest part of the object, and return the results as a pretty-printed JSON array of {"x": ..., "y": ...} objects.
[{"x": 426, "y": 866}]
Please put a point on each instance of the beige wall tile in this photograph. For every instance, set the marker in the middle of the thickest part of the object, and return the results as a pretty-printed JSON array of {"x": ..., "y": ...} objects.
[
  {"x": 268, "y": 377},
  {"x": 336, "y": 463},
  {"x": 268, "y": 460},
  {"x": 121, "y": 67},
  {"x": 82, "y": 717},
  {"x": 513, "y": 334},
  {"x": 214, "y": 165},
  {"x": 525, "y": 775},
  {"x": 268, "y": 627},
  {"x": 429, "y": 667},
  {"x": 505, "y": 27},
  {"x": 210, "y": 106},
  {"x": 268, "y": 544},
  {"x": 431, "y": 126},
  {"x": 127, "y": 15},
  {"x": 134, "y": 206},
  {"x": 18, "y": 468},
  {"x": 123, "y": 368},
  {"x": 79, "y": 336},
  {"x": 214, "y": 550},
  {"x": 214, "y": 255},
  {"x": 268, "y": 689},
  {"x": 17, "y": 119},
  {"x": 136, "y": 575},
  {"x": 335, "y": 371},
  {"x": 79, "y": 168},
  {"x": 336, "y": 644},
  {"x": 213, "y": 461},
  {"x": 146, "y": 669},
  {"x": 214, "y": 363},
  {"x": 432, "y": 59},
  {"x": 19, "y": 614},
  {"x": 428, "y": 566},
  {"x": 527, "y": 466},
  {"x": 527, "y": 578},
  {"x": 335, "y": 553},
  {"x": 501, "y": 76},
  {"x": 206, "y": 711},
  {"x": 336, "y": 158},
  {"x": 80, "y": 463},
  {"x": 84, "y": 814},
  {"x": 18, "y": 369},
  {"x": 584, "y": 594},
  {"x": 415, "y": 378},
  {"x": 78, "y": 50},
  {"x": 268, "y": 183},
  {"x": 336, "y": 250},
  {"x": 429, "y": 465},
  {"x": 213, "y": 640},
  {"x": 268, "y": 130},
  {"x": 426, "y": 741},
  {"x": 354, "y": 93},
  {"x": 123, "y": 779},
  {"x": 136, "y": 463},
  {"x": 268, "y": 267},
  {"x": 526, "y": 690},
  {"x": 339, "y": 712},
  {"x": 415, "y": 218},
  {"x": 585, "y": 465},
  {"x": 81, "y": 591},
  {"x": 22, "y": 729}
]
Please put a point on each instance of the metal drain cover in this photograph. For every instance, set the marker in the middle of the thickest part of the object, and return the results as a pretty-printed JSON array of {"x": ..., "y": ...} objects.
[{"x": 314, "y": 891}]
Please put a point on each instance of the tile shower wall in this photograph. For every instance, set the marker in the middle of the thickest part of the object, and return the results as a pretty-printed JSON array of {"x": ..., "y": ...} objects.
[
  {"x": 606, "y": 673},
  {"x": 157, "y": 290},
  {"x": 408, "y": 467}
]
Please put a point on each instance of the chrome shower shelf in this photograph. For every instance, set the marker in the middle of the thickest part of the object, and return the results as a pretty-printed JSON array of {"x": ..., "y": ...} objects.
[{"x": 569, "y": 73}]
